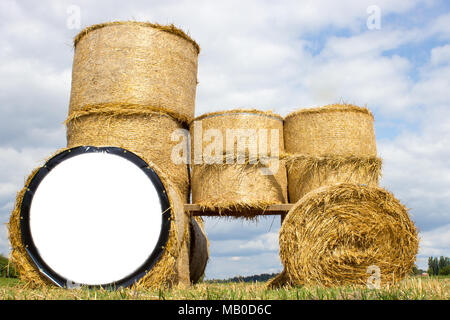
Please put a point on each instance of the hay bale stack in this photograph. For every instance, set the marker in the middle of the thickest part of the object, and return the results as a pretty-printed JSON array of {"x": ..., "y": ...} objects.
[
  {"x": 327, "y": 145},
  {"x": 166, "y": 272},
  {"x": 142, "y": 131},
  {"x": 136, "y": 63},
  {"x": 333, "y": 234},
  {"x": 234, "y": 179},
  {"x": 199, "y": 249},
  {"x": 133, "y": 86}
]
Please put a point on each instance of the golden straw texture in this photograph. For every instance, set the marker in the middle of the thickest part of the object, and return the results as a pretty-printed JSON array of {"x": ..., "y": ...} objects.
[
  {"x": 199, "y": 249},
  {"x": 306, "y": 173},
  {"x": 167, "y": 28},
  {"x": 342, "y": 130},
  {"x": 136, "y": 63},
  {"x": 238, "y": 185},
  {"x": 335, "y": 233},
  {"x": 163, "y": 273},
  {"x": 143, "y": 131}
]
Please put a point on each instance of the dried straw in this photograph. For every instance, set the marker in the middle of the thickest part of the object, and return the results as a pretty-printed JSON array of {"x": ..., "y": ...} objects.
[
  {"x": 238, "y": 186},
  {"x": 137, "y": 63},
  {"x": 164, "y": 272},
  {"x": 199, "y": 249},
  {"x": 306, "y": 173},
  {"x": 339, "y": 129},
  {"x": 141, "y": 130},
  {"x": 166, "y": 28},
  {"x": 333, "y": 234}
]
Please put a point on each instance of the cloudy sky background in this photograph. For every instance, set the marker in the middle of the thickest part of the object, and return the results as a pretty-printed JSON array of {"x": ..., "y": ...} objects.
[{"x": 269, "y": 55}]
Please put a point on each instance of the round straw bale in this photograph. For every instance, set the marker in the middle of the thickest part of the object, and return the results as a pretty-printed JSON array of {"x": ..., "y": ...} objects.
[
  {"x": 143, "y": 131},
  {"x": 135, "y": 62},
  {"x": 306, "y": 173},
  {"x": 199, "y": 249},
  {"x": 163, "y": 273},
  {"x": 337, "y": 235},
  {"x": 339, "y": 129},
  {"x": 236, "y": 179}
]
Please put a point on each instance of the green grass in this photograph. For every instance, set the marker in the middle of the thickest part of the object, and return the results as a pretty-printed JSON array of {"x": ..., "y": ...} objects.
[
  {"x": 409, "y": 289},
  {"x": 5, "y": 282}
]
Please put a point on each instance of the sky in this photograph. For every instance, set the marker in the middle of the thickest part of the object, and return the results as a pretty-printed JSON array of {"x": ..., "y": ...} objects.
[{"x": 391, "y": 56}]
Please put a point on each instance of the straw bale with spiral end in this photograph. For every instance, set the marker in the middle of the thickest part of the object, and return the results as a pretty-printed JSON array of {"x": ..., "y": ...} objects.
[
  {"x": 235, "y": 179},
  {"x": 143, "y": 131},
  {"x": 164, "y": 273},
  {"x": 199, "y": 249},
  {"x": 135, "y": 62},
  {"x": 336, "y": 234}
]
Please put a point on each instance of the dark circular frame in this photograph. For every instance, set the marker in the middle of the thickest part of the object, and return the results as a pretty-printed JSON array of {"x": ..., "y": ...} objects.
[{"x": 32, "y": 250}]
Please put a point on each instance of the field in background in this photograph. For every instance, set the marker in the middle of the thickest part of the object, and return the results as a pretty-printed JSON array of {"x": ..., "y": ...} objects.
[{"x": 409, "y": 289}]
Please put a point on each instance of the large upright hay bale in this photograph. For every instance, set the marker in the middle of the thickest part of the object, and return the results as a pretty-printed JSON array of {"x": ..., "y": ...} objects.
[
  {"x": 164, "y": 273},
  {"x": 328, "y": 145},
  {"x": 145, "y": 132},
  {"x": 337, "y": 235},
  {"x": 199, "y": 249},
  {"x": 135, "y": 62},
  {"x": 235, "y": 179}
]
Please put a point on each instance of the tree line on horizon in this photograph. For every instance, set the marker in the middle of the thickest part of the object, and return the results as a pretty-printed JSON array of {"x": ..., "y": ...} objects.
[{"x": 439, "y": 266}]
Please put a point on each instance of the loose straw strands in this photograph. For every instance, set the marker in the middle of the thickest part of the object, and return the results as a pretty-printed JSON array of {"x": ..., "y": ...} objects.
[
  {"x": 306, "y": 173},
  {"x": 166, "y": 28}
]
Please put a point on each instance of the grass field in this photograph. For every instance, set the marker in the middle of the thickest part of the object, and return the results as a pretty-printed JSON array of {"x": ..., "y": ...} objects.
[{"x": 409, "y": 289}]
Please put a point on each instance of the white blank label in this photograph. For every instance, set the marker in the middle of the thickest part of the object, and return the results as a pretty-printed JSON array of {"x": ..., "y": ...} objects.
[{"x": 95, "y": 218}]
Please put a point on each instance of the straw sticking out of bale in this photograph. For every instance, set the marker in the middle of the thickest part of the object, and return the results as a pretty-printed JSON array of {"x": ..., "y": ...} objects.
[
  {"x": 199, "y": 249},
  {"x": 246, "y": 172},
  {"x": 122, "y": 109},
  {"x": 166, "y": 28},
  {"x": 144, "y": 131},
  {"x": 306, "y": 173},
  {"x": 237, "y": 187},
  {"x": 331, "y": 130},
  {"x": 163, "y": 273},
  {"x": 334, "y": 234},
  {"x": 137, "y": 63}
]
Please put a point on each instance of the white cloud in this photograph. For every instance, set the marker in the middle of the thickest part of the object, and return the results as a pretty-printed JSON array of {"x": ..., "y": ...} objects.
[
  {"x": 434, "y": 243},
  {"x": 264, "y": 242}
]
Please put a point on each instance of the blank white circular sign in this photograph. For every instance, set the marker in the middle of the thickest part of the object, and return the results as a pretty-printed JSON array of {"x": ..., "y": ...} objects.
[{"x": 95, "y": 218}]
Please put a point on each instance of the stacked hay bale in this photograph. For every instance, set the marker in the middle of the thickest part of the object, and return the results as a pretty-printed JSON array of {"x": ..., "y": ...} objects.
[
  {"x": 327, "y": 145},
  {"x": 133, "y": 86},
  {"x": 342, "y": 222},
  {"x": 228, "y": 166}
]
